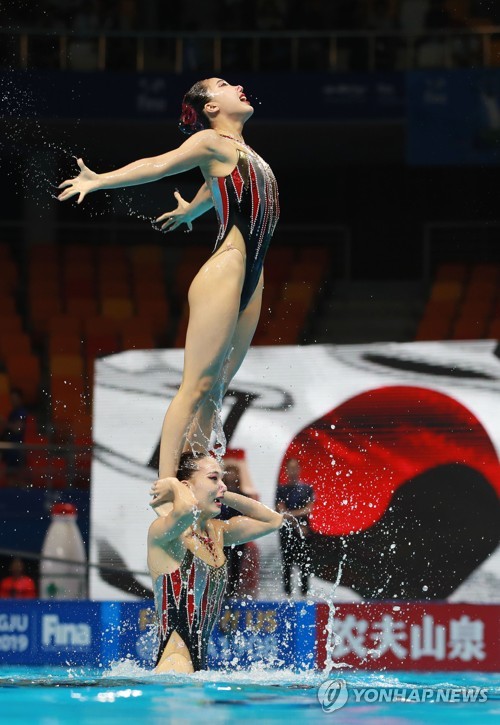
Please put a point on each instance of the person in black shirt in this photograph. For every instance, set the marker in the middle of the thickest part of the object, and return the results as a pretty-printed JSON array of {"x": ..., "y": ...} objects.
[{"x": 296, "y": 499}]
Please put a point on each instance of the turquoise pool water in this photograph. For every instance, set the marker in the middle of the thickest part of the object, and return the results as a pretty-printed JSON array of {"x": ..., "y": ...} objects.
[{"x": 125, "y": 693}]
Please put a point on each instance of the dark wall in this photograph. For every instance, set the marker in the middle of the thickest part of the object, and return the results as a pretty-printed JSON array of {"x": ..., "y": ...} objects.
[{"x": 339, "y": 173}]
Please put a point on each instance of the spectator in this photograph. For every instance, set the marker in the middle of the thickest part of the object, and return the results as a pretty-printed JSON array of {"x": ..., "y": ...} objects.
[
  {"x": 18, "y": 585},
  {"x": 243, "y": 556},
  {"x": 296, "y": 499},
  {"x": 13, "y": 429}
]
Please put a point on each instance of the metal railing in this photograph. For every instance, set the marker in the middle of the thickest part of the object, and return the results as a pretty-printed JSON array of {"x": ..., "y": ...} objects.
[
  {"x": 183, "y": 51},
  {"x": 45, "y": 466}
]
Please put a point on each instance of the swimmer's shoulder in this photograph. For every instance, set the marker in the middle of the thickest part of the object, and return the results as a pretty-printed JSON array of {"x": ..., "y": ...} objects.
[{"x": 210, "y": 140}]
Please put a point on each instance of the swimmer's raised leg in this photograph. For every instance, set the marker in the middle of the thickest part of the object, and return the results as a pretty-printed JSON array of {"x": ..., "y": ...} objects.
[
  {"x": 200, "y": 431},
  {"x": 214, "y": 299}
]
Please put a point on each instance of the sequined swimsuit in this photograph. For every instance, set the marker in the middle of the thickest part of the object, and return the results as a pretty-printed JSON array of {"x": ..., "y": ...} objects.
[
  {"x": 188, "y": 601},
  {"x": 247, "y": 199}
]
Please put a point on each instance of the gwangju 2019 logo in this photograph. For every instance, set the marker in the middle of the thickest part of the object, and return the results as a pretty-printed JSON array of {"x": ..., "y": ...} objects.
[{"x": 334, "y": 694}]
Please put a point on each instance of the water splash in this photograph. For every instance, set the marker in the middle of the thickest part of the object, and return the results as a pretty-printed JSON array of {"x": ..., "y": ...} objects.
[
  {"x": 219, "y": 444},
  {"x": 332, "y": 639}
]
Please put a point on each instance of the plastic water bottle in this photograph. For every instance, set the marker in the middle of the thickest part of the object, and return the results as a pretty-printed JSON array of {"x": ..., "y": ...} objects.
[{"x": 66, "y": 579}]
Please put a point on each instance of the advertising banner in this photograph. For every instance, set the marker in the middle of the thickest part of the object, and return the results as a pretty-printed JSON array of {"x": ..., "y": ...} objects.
[
  {"x": 403, "y": 636},
  {"x": 51, "y": 633},
  {"x": 453, "y": 117},
  {"x": 279, "y": 634},
  {"x": 113, "y": 94},
  {"x": 296, "y": 635},
  {"x": 400, "y": 442}
]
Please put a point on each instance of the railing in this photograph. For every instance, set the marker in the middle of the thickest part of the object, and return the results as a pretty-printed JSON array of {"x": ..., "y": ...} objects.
[
  {"x": 180, "y": 52},
  {"x": 45, "y": 466}
]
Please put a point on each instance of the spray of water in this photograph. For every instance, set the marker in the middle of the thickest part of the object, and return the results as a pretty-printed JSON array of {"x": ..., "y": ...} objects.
[{"x": 332, "y": 639}]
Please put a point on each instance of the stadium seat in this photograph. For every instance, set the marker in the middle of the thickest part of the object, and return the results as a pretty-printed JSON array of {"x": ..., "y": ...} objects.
[
  {"x": 146, "y": 255},
  {"x": 433, "y": 327},
  {"x": 112, "y": 255},
  {"x": 446, "y": 290},
  {"x": 7, "y": 303},
  {"x": 148, "y": 289},
  {"x": 493, "y": 329},
  {"x": 41, "y": 309},
  {"x": 67, "y": 398},
  {"x": 184, "y": 275},
  {"x": 137, "y": 340},
  {"x": 64, "y": 344},
  {"x": 10, "y": 322},
  {"x": 66, "y": 365},
  {"x": 5, "y": 404},
  {"x": 311, "y": 272},
  {"x": 9, "y": 276},
  {"x": 182, "y": 325},
  {"x": 65, "y": 325},
  {"x": 100, "y": 325},
  {"x": 98, "y": 344},
  {"x": 156, "y": 310},
  {"x": 318, "y": 254},
  {"x": 302, "y": 293},
  {"x": 80, "y": 254},
  {"x": 452, "y": 271},
  {"x": 117, "y": 307},
  {"x": 479, "y": 307},
  {"x": 485, "y": 274},
  {"x": 81, "y": 307},
  {"x": 24, "y": 372},
  {"x": 14, "y": 343},
  {"x": 113, "y": 287},
  {"x": 82, "y": 426},
  {"x": 469, "y": 327},
  {"x": 78, "y": 288}
]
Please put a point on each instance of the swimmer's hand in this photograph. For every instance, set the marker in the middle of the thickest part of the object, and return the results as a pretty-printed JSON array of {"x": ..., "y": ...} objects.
[
  {"x": 83, "y": 184},
  {"x": 173, "y": 219},
  {"x": 171, "y": 490}
]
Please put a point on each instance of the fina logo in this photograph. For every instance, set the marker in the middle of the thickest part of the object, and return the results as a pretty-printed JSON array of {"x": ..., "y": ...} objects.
[
  {"x": 332, "y": 695},
  {"x": 64, "y": 634}
]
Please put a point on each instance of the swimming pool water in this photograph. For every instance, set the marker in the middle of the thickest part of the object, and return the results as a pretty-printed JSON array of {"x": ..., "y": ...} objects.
[{"x": 125, "y": 693}]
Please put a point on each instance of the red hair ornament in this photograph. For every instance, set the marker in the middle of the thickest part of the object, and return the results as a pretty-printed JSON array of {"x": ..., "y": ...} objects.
[{"x": 189, "y": 116}]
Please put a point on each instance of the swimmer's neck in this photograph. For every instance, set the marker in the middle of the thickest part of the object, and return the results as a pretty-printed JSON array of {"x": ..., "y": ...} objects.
[
  {"x": 200, "y": 525},
  {"x": 230, "y": 128}
]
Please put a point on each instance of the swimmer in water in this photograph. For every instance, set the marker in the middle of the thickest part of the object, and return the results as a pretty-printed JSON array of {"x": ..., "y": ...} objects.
[
  {"x": 225, "y": 295},
  {"x": 186, "y": 557}
]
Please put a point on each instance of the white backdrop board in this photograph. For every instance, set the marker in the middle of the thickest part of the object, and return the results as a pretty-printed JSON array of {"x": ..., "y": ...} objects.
[{"x": 409, "y": 395}]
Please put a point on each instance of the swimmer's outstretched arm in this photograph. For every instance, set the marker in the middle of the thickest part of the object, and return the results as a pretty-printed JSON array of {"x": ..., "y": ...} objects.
[
  {"x": 257, "y": 520},
  {"x": 182, "y": 512},
  {"x": 196, "y": 151},
  {"x": 187, "y": 212}
]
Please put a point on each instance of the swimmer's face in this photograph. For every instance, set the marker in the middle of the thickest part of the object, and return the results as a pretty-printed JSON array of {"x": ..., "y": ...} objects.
[
  {"x": 207, "y": 485},
  {"x": 227, "y": 99}
]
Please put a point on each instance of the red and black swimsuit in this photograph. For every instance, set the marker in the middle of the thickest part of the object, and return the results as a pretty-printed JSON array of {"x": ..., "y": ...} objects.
[
  {"x": 247, "y": 199},
  {"x": 188, "y": 601}
]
